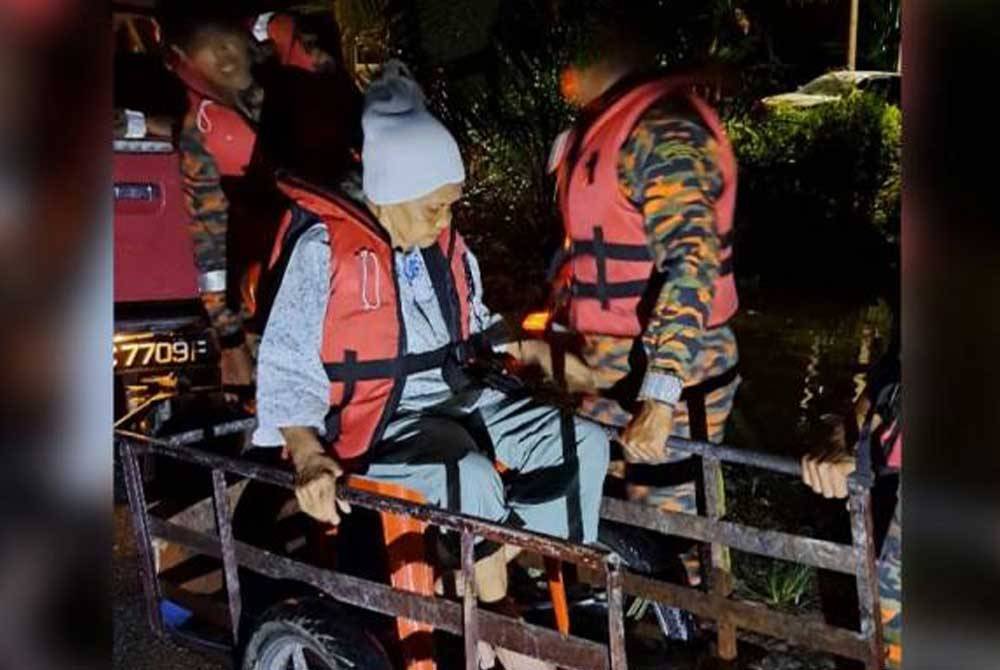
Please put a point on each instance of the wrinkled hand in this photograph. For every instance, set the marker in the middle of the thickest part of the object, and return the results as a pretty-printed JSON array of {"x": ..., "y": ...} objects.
[
  {"x": 644, "y": 440},
  {"x": 579, "y": 377},
  {"x": 316, "y": 488}
]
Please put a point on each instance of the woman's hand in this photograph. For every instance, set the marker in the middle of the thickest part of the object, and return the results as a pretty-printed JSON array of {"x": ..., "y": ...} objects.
[{"x": 316, "y": 475}]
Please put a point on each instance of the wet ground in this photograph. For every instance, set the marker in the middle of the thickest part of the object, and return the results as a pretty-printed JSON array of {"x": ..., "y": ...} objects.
[
  {"x": 800, "y": 359},
  {"x": 135, "y": 647}
]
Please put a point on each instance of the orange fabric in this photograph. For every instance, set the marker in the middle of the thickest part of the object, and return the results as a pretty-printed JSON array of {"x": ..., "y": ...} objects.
[
  {"x": 363, "y": 321},
  {"x": 408, "y": 567},
  {"x": 290, "y": 51},
  {"x": 557, "y": 591},
  {"x": 589, "y": 196}
]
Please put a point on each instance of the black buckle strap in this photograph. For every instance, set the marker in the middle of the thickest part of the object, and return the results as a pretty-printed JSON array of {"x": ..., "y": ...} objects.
[
  {"x": 726, "y": 240},
  {"x": 353, "y": 370},
  {"x": 614, "y": 251},
  {"x": 625, "y": 289},
  {"x": 602, "y": 269},
  {"x": 726, "y": 267}
]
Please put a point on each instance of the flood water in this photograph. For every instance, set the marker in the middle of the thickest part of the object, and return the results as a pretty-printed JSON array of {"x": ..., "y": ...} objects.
[{"x": 801, "y": 357}]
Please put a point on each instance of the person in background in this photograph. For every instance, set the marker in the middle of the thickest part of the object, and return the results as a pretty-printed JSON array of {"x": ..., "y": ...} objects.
[
  {"x": 878, "y": 423},
  {"x": 368, "y": 362},
  {"x": 228, "y": 184},
  {"x": 646, "y": 186}
]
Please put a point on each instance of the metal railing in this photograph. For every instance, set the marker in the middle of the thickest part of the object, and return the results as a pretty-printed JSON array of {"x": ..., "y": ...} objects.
[{"x": 474, "y": 624}]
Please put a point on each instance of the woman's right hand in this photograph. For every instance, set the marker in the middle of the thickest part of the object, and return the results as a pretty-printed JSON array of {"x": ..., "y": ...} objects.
[{"x": 316, "y": 475}]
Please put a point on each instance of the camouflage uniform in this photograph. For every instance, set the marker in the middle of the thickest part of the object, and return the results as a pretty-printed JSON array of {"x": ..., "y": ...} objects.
[
  {"x": 668, "y": 169},
  {"x": 890, "y": 587},
  {"x": 209, "y": 208}
]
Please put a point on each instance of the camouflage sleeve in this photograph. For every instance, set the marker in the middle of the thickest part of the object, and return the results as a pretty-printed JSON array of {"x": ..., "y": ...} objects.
[
  {"x": 208, "y": 210},
  {"x": 668, "y": 169}
]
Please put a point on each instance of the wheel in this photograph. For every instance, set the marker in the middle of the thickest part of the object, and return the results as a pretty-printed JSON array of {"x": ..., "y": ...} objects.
[{"x": 311, "y": 634}]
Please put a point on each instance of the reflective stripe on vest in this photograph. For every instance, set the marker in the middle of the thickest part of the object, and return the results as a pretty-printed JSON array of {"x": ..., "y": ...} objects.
[
  {"x": 363, "y": 331},
  {"x": 605, "y": 266}
]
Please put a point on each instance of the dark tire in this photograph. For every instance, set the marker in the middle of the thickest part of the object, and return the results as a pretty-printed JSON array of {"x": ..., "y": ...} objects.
[{"x": 311, "y": 634}]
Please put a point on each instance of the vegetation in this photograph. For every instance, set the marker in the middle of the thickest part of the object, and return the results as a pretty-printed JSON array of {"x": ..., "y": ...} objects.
[{"x": 818, "y": 186}]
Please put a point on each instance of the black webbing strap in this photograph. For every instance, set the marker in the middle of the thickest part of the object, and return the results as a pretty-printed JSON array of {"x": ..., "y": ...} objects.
[
  {"x": 726, "y": 267},
  {"x": 711, "y": 384},
  {"x": 352, "y": 370},
  {"x": 726, "y": 239},
  {"x": 697, "y": 416},
  {"x": 612, "y": 250},
  {"x": 694, "y": 397},
  {"x": 574, "y": 506},
  {"x": 557, "y": 352},
  {"x": 453, "y": 486},
  {"x": 602, "y": 267},
  {"x": 625, "y": 289}
]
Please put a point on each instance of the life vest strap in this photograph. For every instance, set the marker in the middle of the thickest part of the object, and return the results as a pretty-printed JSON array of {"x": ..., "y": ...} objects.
[
  {"x": 390, "y": 368},
  {"x": 726, "y": 239},
  {"x": 612, "y": 250},
  {"x": 711, "y": 384},
  {"x": 624, "y": 289},
  {"x": 411, "y": 364}
]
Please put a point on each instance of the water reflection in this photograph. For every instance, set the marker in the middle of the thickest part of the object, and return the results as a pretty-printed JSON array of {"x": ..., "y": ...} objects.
[{"x": 801, "y": 359}]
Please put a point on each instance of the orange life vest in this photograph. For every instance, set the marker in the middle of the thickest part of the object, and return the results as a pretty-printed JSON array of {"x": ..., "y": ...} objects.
[
  {"x": 364, "y": 339},
  {"x": 282, "y": 31},
  {"x": 607, "y": 266},
  {"x": 228, "y": 135}
]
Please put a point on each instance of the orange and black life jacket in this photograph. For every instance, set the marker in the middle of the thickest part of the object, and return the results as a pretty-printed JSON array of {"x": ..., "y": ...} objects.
[
  {"x": 364, "y": 338},
  {"x": 606, "y": 265}
]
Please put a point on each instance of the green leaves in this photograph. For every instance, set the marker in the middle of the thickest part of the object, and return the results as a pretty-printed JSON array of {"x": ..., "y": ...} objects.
[{"x": 844, "y": 154}]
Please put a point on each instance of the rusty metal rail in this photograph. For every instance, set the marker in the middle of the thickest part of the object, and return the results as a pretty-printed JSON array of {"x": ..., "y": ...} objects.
[
  {"x": 473, "y": 624},
  {"x": 466, "y": 619}
]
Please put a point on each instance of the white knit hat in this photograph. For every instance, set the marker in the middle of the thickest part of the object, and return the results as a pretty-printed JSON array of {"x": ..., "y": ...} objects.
[{"x": 407, "y": 153}]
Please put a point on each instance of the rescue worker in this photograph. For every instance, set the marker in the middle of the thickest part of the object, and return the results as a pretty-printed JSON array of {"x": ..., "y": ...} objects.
[
  {"x": 879, "y": 425},
  {"x": 646, "y": 186},
  {"x": 226, "y": 181},
  {"x": 363, "y": 363}
]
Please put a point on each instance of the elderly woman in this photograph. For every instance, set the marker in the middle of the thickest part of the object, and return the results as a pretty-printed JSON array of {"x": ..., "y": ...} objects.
[{"x": 363, "y": 363}]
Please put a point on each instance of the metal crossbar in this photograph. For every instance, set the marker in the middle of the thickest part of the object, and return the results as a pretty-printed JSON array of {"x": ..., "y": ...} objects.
[{"x": 474, "y": 624}]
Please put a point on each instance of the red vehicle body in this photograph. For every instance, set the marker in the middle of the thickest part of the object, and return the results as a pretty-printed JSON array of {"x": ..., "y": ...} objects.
[
  {"x": 163, "y": 345},
  {"x": 153, "y": 255}
]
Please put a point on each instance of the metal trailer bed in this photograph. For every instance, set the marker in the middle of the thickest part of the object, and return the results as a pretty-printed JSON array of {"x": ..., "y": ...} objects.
[{"x": 472, "y": 623}]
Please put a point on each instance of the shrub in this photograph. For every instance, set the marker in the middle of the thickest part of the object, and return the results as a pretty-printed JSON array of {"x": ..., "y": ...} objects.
[{"x": 818, "y": 188}]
